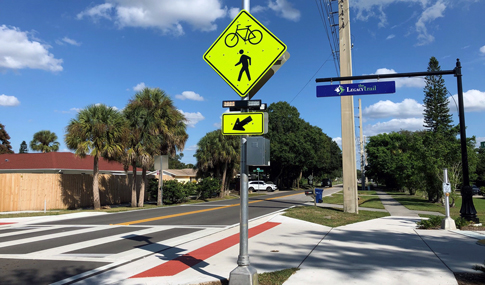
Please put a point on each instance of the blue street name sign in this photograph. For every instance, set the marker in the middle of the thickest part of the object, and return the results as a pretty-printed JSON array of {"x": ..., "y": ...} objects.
[{"x": 356, "y": 89}]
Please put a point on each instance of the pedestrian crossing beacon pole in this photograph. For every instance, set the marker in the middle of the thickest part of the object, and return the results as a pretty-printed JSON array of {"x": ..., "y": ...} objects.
[{"x": 244, "y": 273}]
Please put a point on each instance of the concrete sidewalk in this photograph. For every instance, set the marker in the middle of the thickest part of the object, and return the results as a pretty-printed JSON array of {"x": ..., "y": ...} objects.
[
  {"x": 394, "y": 207},
  {"x": 387, "y": 250}
]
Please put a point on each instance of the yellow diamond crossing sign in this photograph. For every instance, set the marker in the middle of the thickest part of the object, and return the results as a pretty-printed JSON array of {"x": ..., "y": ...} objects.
[
  {"x": 253, "y": 123},
  {"x": 244, "y": 52}
]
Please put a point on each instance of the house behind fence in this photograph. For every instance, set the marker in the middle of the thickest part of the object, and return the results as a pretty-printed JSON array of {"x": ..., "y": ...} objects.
[{"x": 60, "y": 180}]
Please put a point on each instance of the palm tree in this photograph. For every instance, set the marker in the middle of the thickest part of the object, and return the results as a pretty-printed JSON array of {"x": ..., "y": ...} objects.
[
  {"x": 217, "y": 153},
  {"x": 44, "y": 141},
  {"x": 156, "y": 127},
  {"x": 97, "y": 130}
]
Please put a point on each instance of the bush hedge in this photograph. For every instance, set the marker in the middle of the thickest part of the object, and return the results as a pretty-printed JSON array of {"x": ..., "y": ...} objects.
[{"x": 175, "y": 192}]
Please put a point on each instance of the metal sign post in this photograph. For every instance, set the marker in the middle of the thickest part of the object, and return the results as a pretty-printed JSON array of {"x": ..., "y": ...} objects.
[
  {"x": 447, "y": 223},
  {"x": 258, "y": 171},
  {"x": 244, "y": 273}
]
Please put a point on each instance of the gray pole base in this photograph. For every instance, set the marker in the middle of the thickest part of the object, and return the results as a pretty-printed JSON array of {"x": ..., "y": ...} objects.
[
  {"x": 448, "y": 224},
  {"x": 244, "y": 275}
]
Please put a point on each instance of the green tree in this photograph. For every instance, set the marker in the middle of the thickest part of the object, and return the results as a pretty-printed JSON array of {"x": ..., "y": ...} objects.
[
  {"x": 5, "y": 146},
  {"x": 156, "y": 127},
  {"x": 437, "y": 115},
  {"x": 299, "y": 149},
  {"x": 441, "y": 148},
  {"x": 23, "y": 147},
  {"x": 44, "y": 141},
  {"x": 175, "y": 163},
  {"x": 285, "y": 132},
  {"x": 217, "y": 155},
  {"x": 480, "y": 169},
  {"x": 97, "y": 130}
]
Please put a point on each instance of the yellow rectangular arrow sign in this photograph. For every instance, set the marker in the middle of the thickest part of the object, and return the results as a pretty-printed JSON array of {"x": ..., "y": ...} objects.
[{"x": 245, "y": 123}]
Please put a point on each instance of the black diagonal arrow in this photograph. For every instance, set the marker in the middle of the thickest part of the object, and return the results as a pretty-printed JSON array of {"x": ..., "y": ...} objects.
[{"x": 239, "y": 125}]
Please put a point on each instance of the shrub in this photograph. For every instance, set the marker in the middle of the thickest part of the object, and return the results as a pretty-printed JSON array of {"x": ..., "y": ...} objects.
[
  {"x": 430, "y": 223},
  {"x": 208, "y": 188},
  {"x": 152, "y": 190},
  {"x": 174, "y": 192},
  {"x": 462, "y": 222}
]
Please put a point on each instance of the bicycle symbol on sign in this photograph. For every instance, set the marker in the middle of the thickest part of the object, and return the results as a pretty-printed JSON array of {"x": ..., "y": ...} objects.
[{"x": 254, "y": 37}]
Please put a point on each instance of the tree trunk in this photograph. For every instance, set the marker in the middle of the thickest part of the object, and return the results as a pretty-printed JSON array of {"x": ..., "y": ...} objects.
[
  {"x": 277, "y": 179},
  {"x": 221, "y": 195},
  {"x": 299, "y": 178},
  {"x": 96, "y": 203},
  {"x": 141, "y": 198},
  {"x": 133, "y": 186}
]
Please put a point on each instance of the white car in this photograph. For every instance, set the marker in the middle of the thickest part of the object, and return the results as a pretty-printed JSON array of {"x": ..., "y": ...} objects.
[{"x": 261, "y": 185}]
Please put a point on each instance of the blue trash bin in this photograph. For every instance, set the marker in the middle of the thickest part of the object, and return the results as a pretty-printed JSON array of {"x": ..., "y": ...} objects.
[{"x": 319, "y": 195}]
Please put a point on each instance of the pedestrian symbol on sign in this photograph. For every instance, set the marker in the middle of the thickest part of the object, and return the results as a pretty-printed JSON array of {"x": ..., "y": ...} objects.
[{"x": 245, "y": 61}]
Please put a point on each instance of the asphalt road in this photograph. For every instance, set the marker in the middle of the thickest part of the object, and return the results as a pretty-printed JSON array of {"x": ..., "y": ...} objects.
[{"x": 45, "y": 253}]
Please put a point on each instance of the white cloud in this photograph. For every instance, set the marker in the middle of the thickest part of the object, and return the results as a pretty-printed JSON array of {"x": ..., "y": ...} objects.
[
  {"x": 192, "y": 118},
  {"x": 285, "y": 10},
  {"x": 479, "y": 140},
  {"x": 71, "y": 111},
  {"x": 473, "y": 101},
  {"x": 482, "y": 50},
  {"x": 408, "y": 108},
  {"x": 390, "y": 37},
  {"x": 192, "y": 148},
  {"x": 100, "y": 11},
  {"x": 233, "y": 12},
  {"x": 338, "y": 140},
  {"x": 258, "y": 9},
  {"x": 189, "y": 95},
  {"x": 139, "y": 87},
  {"x": 394, "y": 125},
  {"x": 8, "y": 101},
  {"x": 165, "y": 15},
  {"x": 217, "y": 125},
  {"x": 17, "y": 51},
  {"x": 401, "y": 81},
  {"x": 429, "y": 15},
  {"x": 71, "y": 41},
  {"x": 375, "y": 8}
]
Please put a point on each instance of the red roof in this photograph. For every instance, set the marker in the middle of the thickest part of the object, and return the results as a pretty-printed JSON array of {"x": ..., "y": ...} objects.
[{"x": 54, "y": 160}]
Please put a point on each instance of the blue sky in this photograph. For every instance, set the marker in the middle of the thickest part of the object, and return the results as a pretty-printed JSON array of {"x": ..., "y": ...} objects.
[{"x": 58, "y": 57}]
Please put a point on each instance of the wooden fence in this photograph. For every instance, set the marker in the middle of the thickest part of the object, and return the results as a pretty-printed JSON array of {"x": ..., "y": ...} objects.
[{"x": 28, "y": 191}]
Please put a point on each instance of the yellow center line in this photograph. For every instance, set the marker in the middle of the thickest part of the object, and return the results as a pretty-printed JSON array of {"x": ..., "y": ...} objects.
[{"x": 195, "y": 212}]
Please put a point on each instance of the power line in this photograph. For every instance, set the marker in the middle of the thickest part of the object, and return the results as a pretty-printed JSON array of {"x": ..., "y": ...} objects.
[
  {"x": 326, "y": 11},
  {"x": 311, "y": 78}
]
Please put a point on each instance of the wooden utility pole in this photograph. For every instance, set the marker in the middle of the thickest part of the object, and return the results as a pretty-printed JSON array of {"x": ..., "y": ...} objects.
[
  {"x": 361, "y": 139},
  {"x": 347, "y": 113}
]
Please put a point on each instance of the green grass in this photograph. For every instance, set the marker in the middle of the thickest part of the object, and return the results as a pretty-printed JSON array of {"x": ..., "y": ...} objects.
[
  {"x": 276, "y": 277},
  {"x": 422, "y": 204},
  {"x": 367, "y": 192},
  {"x": 331, "y": 217},
  {"x": 364, "y": 201}
]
